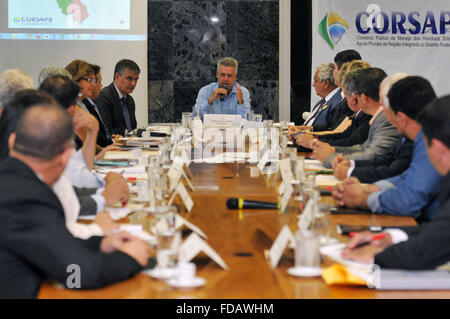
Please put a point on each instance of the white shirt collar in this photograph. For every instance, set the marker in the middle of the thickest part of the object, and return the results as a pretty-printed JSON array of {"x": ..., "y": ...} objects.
[
  {"x": 330, "y": 95},
  {"x": 118, "y": 92}
]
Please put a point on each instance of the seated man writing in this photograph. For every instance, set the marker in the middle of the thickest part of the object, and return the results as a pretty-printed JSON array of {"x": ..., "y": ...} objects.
[{"x": 425, "y": 246}]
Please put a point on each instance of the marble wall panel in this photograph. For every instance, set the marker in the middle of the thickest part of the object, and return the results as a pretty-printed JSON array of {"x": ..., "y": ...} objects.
[{"x": 187, "y": 38}]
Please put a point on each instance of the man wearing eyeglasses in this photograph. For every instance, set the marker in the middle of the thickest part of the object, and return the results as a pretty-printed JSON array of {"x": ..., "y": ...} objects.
[{"x": 115, "y": 103}]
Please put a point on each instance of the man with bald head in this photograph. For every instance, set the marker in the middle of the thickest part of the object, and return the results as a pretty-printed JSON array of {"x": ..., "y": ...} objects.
[{"x": 35, "y": 244}]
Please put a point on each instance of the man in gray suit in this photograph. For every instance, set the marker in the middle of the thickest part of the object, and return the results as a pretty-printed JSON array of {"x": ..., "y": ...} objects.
[{"x": 383, "y": 137}]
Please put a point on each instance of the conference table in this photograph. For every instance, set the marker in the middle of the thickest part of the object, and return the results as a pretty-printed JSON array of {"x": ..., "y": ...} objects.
[{"x": 240, "y": 238}]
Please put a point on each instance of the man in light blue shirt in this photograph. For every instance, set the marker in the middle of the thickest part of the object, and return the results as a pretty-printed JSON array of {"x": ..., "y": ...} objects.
[
  {"x": 225, "y": 96},
  {"x": 415, "y": 192}
]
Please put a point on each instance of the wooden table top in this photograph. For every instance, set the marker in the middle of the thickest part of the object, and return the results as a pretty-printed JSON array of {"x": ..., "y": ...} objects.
[{"x": 240, "y": 239}]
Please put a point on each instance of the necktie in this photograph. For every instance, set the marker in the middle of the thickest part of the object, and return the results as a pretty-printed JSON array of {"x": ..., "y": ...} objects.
[
  {"x": 314, "y": 113},
  {"x": 126, "y": 114}
]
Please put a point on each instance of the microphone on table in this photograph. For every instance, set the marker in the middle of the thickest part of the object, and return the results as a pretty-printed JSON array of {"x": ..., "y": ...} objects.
[
  {"x": 239, "y": 203},
  {"x": 222, "y": 96}
]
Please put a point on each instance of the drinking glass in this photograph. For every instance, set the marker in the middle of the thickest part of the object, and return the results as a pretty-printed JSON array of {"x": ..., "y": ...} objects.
[
  {"x": 257, "y": 118},
  {"x": 322, "y": 224},
  {"x": 167, "y": 236},
  {"x": 268, "y": 123},
  {"x": 307, "y": 187},
  {"x": 185, "y": 119},
  {"x": 307, "y": 256}
]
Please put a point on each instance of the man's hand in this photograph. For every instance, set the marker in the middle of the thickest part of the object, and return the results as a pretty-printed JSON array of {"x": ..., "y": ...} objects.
[
  {"x": 365, "y": 254},
  {"x": 216, "y": 94},
  {"x": 111, "y": 175},
  {"x": 113, "y": 242},
  {"x": 304, "y": 140},
  {"x": 351, "y": 193},
  {"x": 239, "y": 95},
  {"x": 338, "y": 160},
  {"x": 366, "y": 237},
  {"x": 136, "y": 249},
  {"x": 321, "y": 150},
  {"x": 106, "y": 223},
  {"x": 116, "y": 190},
  {"x": 341, "y": 170}
]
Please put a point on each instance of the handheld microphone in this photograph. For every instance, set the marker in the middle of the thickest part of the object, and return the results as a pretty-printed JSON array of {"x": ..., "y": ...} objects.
[
  {"x": 239, "y": 203},
  {"x": 222, "y": 96}
]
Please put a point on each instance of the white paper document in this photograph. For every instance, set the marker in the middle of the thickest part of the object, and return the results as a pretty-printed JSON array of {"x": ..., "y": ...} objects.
[
  {"x": 193, "y": 245},
  {"x": 326, "y": 180}
]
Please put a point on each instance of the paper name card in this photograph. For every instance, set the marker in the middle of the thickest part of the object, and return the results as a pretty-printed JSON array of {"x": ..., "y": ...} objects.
[
  {"x": 187, "y": 200},
  {"x": 279, "y": 245},
  {"x": 193, "y": 245},
  {"x": 263, "y": 160},
  {"x": 180, "y": 221},
  {"x": 285, "y": 169},
  {"x": 286, "y": 197},
  {"x": 282, "y": 188},
  {"x": 221, "y": 120},
  {"x": 306, "y": 218},
  {"x": 175, "y": 172}
]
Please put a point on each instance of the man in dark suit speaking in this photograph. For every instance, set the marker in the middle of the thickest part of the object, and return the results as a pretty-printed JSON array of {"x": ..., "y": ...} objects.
[
  {"x": 34, "y": 241},
  {"x": 115, "y": 103}
]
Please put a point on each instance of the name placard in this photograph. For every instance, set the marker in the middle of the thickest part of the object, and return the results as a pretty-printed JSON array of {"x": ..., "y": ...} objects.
[{"x": 221, "y": 120}]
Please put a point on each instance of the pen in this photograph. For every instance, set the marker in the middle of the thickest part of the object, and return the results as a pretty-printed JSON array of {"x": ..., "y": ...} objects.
[{"x": 374, "y": 237}]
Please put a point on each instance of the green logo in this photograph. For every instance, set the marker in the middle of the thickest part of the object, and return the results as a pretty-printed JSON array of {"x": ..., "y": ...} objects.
[{"x": 332, "y": 28}]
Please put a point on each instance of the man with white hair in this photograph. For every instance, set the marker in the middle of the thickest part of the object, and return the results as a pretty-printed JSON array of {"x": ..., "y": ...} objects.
[
  {"x": 52, "y": 71},
  {"x": 11, "y": 81},
  {"x": 328, "y": 91},
  {"x": 225, "y": 96},
  {"x": 414, "y": 192}
]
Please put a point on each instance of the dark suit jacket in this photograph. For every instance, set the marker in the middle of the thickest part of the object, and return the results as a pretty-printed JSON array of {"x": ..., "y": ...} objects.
[
  {"x": 402, "y": 158},
  {"x": 110, "y": 109},
  {"x": 88, "y": 206},
  {"x": 337, "y": 115},
  {"x": 356, "y": 133},
  {"x": 102, "y": 138},
  {"x": 324, "y": 116},
  {"x": 428, "y": 245},
  {"x": 35, "y": 243}
]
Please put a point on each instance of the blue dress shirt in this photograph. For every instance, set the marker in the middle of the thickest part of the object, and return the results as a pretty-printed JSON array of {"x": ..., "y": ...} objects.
[
  {"x": 413, "y": 193},
  {"x": 229, "y": 105}
]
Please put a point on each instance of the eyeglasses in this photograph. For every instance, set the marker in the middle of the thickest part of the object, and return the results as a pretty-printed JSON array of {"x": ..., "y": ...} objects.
[{"x": 89, "y": 80}]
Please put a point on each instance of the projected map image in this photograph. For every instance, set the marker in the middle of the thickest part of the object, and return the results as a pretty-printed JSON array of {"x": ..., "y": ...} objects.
[{"x": 69, "y": 14}]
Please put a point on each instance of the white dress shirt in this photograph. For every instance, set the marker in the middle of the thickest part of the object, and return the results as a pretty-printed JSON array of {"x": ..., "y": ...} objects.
[{"x": 69, "y": 201}]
